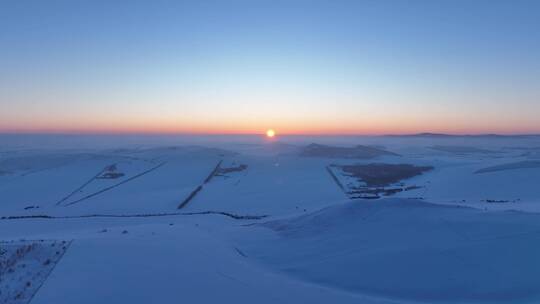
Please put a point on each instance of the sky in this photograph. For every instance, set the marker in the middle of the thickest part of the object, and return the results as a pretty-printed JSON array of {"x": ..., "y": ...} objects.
[{"x": 298, "y": 67}]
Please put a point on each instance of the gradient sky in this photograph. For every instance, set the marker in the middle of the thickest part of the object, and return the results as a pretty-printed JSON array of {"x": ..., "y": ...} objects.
[{"x": 318, "y": 67}]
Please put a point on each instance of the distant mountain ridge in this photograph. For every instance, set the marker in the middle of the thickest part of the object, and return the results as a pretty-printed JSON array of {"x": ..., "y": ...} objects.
[{"x": 444, "y": 135}]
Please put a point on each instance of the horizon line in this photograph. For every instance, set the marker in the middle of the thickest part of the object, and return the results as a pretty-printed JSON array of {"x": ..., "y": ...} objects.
[{"x": 128, "y": 133}]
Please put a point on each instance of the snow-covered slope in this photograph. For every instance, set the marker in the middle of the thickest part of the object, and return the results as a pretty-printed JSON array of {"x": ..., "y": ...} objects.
[{"x": 408, "y": 250}]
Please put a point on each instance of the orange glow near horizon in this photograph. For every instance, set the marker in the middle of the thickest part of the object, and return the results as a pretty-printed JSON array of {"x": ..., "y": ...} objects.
[
  {"x": 361, "y": 125},
  {"x": 311, "y": 130}
]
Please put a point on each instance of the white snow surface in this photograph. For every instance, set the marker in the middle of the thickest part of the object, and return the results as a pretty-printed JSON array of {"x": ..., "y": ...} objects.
[
  {"x": 409, "y": 250},
  {"x": 277, "y": 230}
]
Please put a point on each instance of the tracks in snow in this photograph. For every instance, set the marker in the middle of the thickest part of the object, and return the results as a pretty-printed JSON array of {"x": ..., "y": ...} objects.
[
  {"x": 81, "y": 187},
  {"x": 145, "y": 215},
  {"x": 107, "y": 188}
]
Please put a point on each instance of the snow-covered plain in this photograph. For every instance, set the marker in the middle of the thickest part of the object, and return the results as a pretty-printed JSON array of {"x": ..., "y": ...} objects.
[{"x": 261, "y": 222}]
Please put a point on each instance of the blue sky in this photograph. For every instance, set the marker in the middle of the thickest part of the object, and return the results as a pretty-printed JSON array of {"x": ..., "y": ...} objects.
[{"x": 355, "y": 67}]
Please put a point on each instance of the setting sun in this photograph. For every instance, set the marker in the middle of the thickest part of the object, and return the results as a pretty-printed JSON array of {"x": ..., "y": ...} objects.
[{"x": 270, "y": 133}]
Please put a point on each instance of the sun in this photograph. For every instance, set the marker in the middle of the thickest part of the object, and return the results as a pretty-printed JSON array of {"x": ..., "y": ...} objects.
[{"x": 270, "y": 133}]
